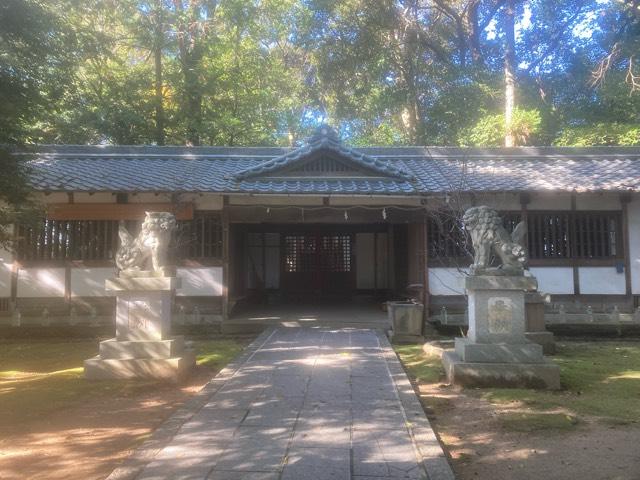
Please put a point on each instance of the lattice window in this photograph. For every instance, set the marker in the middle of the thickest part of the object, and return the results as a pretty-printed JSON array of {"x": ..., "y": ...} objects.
[
  {"x": 300, "y": 253},
  {"x": 200, "y": 237},
  {"x": 68, "y": 240},
  {"x": 549, "y": 234},
  {"x": 336, "y": 253},
  {"x": 597, "y": 234},
  {"x": 446, "y": 237},
  {"x": 318, "y": 253}
]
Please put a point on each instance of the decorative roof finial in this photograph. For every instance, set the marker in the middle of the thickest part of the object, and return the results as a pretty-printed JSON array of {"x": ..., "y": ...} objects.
[{"x": 324, "y": 131}]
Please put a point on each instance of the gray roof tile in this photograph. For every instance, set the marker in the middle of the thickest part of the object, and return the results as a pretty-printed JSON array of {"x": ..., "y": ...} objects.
[{"x": 403, "y": 170}]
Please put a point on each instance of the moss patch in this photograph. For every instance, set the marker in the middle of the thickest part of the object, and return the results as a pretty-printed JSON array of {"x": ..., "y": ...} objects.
[
  {"x": 599, "y": 379},
  {"x": 421, "y": 367}
]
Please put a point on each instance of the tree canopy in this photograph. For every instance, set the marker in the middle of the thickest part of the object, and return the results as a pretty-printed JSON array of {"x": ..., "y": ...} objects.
[{"x": 265, "y": 72}]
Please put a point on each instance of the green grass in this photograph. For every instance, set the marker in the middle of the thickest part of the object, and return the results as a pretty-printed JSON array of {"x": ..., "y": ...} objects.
[
  {"x": 420, "y": 366},
  {"x": 599, "y": 379},
  {"x": 39, "y": 377}
]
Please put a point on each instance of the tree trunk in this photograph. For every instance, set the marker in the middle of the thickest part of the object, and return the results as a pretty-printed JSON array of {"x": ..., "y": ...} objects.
[
  {"x": 157, "y": 54},
  {"x": 190, "y": 52},
  {"x": 509, "y": 73}
]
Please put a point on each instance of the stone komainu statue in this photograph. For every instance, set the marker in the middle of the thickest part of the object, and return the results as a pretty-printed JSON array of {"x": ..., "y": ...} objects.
[
  {"x": 489, "y": 238},
  {"x": 152, "y": 242}
]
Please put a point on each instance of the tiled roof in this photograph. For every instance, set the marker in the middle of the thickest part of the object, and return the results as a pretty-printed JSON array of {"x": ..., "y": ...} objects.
[
  {"x": 325, "y": 141},
  {"x": 399, "y": 171}
]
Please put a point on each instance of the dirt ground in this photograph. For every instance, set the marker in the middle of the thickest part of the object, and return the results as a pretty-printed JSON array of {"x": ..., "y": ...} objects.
[
  {"x": 480, "y": 447},
  {"x": 88, "y": 441}
]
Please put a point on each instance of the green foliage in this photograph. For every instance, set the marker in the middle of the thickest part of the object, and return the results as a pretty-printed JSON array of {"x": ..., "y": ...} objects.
[
  {"x": 490, "y": 130},
  {"x": 599, "y": 134},
  {"x": 15, "y": 203},
  {"x": 233, "y": 72}
]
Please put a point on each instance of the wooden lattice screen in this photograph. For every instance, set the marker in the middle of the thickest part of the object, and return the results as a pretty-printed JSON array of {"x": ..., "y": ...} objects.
[{"x": 318, "y": 253}]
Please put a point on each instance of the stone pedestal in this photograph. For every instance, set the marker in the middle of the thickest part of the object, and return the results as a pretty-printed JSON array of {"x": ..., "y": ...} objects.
[
  {"x": 143, "y": 347},
  {"x": 406, "y": 321},
  {"x": 496, "y": 351},
  {"x": 536, "y": 328}
]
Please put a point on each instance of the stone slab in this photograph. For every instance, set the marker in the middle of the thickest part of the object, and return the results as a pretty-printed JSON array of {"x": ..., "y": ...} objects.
[
  {"x": 496, "y": 316},
  {"x": 544, "y": 339},
  {"x": 498, "y": 353},
  {"x": 171, "y": 369},
  {"x": 116, "y": 286},
  {"x": 301, "y": 424},
  {"x": 521, "y": 375},
  {"x": 169, "y": 348},
  {"x": 143, "y": 315},
  {"x": 500, "y": 282}
]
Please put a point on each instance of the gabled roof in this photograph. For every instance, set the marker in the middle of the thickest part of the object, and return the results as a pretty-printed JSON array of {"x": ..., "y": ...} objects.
[
  {"x": 325, "y": 142},
  {"x": 372, "y": 170}
]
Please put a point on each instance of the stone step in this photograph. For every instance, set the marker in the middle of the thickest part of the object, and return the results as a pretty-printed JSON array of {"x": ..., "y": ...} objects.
[
  {"x": 130, "y": 349},
  {"x": 170, "y": 369}
]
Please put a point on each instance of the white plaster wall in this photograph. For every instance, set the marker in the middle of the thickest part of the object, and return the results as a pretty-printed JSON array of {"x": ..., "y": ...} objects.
[
  {"x": 446, "y": 281},
  {"x": 41, "y": 282},
  {"x": 634, "y": 243},
  {"x": 365, "y": 261},
  {"x": 554, "y": 280},
  {"x": 550, "y": 201},
  {"x": 597, "y": 202},
  {"x": 98, "y": 197},
  {"x": 89, "y": 282},
  {"x": 601, "y": 281},
  {"x": 200, "y": 282},
  {"x": 6, "y": 260}
]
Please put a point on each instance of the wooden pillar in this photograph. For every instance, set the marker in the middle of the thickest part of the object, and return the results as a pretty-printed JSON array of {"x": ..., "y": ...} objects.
[
  {"x": 573, "y": 241},
  {"x": 375, "y": 264},
  {"x": 391, "y": 267},
  {"x": 225, "y": 258},
  {"x": 624, "y": 202},
  {"x": 425, "y": 269}
]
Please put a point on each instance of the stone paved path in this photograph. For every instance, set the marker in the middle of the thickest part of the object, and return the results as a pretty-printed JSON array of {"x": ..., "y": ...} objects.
[{"x": 306, "y": 404}]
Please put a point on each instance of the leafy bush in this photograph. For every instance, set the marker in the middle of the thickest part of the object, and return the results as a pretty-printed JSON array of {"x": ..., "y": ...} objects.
[
  {"x": 491, "y": 129},
  {"x": 599, "y": 134}
]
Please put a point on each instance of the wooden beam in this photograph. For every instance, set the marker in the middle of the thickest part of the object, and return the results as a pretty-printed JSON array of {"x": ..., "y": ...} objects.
[{"x": 115, "y": 211}]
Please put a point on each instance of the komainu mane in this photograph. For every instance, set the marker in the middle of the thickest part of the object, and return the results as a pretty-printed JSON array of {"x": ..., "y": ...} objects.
[
  {"x": 490, "y": 237},
  {"x": 152, "y": 242}
]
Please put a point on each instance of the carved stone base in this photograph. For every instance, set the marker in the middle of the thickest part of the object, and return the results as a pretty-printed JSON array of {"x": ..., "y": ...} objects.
[
  {"x": 498, "y": 353},
  {"x": 142, "y": 347},
  {"x": 171, "y": 369},
  {"x": 540, "y": 375}
]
